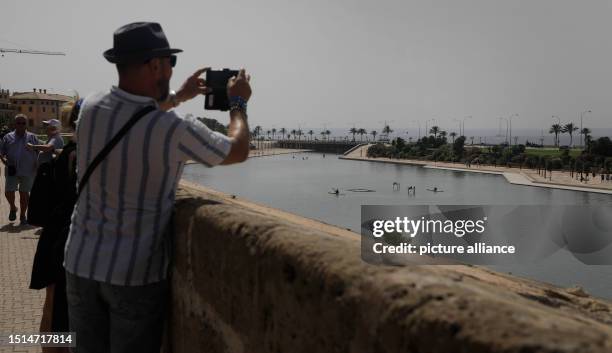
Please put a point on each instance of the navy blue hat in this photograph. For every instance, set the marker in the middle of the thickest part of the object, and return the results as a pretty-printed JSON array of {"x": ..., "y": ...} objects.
[{"x": 139, "y": 41}]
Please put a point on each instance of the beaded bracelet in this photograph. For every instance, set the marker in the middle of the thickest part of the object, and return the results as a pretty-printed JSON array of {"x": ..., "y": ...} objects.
[{"x": 238, "y": 103}]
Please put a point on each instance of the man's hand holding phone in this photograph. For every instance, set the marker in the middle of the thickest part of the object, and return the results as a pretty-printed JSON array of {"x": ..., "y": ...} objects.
[
  {"x": 238, "y": 86},
  {"x": 218, "y": 87},
  {"x": 193, "y": 86}
]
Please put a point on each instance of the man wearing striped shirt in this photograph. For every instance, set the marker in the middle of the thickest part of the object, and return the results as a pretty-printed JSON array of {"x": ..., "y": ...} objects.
[{"x": 117, "y": 253}]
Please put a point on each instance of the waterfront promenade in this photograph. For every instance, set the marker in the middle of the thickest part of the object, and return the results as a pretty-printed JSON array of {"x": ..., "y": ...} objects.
[
  {"x": 272, "y": 151},
  {"x": 527, "y": 177},
  {"x": 268, "y": 151},
  {"x": 20, "y": 307}
]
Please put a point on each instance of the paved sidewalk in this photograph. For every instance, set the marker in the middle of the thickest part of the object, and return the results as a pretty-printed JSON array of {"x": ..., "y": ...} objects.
[{"x": 20, "y": 307}]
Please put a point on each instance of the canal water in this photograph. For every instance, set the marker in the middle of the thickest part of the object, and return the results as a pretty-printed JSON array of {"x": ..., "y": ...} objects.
[{"x": 300, "y": 183}]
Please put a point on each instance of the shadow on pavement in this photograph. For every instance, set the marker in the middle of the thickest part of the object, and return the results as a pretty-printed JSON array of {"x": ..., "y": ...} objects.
[{"x": 13, "y": 228}]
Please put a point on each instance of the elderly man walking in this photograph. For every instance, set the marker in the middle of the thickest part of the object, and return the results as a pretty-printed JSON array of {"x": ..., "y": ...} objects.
[
  {"x": 117, "y": 253},
  {"x": 20, "y": 166},
  {"x": 54, "y": 141}
]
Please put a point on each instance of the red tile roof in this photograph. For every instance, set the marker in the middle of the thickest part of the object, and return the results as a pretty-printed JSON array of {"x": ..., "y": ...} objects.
[{"x": 40, "y": 96}]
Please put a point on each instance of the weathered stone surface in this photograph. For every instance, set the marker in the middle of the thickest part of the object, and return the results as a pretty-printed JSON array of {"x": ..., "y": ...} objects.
[{"x": 248, "y": 278}]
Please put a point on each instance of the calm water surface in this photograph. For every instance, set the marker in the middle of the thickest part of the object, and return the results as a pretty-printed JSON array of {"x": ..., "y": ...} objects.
[{"x": 301, "y": 185}]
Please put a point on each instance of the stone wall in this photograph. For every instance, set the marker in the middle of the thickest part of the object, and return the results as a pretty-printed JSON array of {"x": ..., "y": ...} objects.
[
  {"x": 248, "y": 278},
  {"x": 337, "y": 147}
]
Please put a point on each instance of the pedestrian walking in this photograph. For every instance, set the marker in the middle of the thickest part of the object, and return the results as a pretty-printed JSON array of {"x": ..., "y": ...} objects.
[{"x": 20, "y": 163}]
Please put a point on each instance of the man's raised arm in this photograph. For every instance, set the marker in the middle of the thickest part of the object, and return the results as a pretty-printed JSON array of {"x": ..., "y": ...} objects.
[
  {"x": 202, "y": 145},
  {"x": 239, "y": 92}
]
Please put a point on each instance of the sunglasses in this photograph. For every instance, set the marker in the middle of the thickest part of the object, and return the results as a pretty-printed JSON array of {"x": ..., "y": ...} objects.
[{"x": 171, "y": 57}]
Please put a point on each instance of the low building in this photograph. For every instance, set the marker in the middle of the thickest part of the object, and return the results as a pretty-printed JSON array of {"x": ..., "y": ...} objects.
[
  {"x": 38, "y": 105},
  {"x": 6, "y": 110}
]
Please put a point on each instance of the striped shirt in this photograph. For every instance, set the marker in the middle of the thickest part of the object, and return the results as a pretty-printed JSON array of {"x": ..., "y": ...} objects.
[{"x": 117, "y": 234}]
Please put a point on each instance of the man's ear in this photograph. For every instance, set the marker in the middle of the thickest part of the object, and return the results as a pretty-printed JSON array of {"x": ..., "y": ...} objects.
[{"x": 155, "y": 66}]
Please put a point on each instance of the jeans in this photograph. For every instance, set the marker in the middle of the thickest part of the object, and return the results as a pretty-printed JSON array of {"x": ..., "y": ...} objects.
[{"x": 117, "y": 319}]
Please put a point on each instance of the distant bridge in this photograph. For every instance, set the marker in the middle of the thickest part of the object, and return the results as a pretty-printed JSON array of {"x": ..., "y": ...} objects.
[{"x": 318, "y": 145}]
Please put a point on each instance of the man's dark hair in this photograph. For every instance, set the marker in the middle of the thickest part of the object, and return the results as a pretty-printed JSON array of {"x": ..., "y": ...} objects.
[
  {"x": 74, "y": 114},
  {"x": 124, "y": 68}
]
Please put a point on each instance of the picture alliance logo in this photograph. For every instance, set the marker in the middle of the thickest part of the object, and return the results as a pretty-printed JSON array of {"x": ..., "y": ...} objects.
[{"x": 414, "y": 227}]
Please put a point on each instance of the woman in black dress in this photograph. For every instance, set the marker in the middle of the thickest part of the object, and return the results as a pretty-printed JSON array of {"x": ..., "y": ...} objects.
[{"x": 47, "y": 270}]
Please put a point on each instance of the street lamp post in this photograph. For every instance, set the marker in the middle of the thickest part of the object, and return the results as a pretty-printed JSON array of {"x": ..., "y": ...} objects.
[
  {"x": 459, "y": 121},
  {"x": 500, "y": 119},
  {"x": 419, "y": 123},
  {"x": 510, "y": 120},
  {"x": 467, "y": 117},
  {"x": 581, "y": 115}
]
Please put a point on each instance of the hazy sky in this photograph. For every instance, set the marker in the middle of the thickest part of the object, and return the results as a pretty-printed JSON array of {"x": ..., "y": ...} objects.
[{"x": 345, "y": 62}]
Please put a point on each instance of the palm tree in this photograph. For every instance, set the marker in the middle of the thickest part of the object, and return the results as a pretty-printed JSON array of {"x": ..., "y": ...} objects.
[
  {"x": 570, "y": 128},
  {"x": 442, "y": 133},
  {"x": 453, "y": 134},
  {"x": 299, "y": 133},
  {"x": 268, "y": 133},
  {"x": 273, "y": 133},
  {"x": 587, "y": 142},
  {"x": 283, "y": 131},
  {"x": 556, "y": 129},
  {"x": 293, "y": 133},
  {"x": 373, "y": 133},
  {"x": 353, "y": 131},
  {"x": 257, "y": 131},
  {"x": 327, "y": 132},
  {"x": 387, "y": 130},
  {"x": 434, "y": 130},
  {"x": 322, "y": 135},
  {"x": 585, "y": 132},
  {"x": 362, "y": 132},
  {"x": 310, "y": 133}
]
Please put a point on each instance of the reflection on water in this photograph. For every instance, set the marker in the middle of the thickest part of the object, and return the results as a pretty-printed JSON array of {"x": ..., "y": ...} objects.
[{"x": 302, "y": 186}]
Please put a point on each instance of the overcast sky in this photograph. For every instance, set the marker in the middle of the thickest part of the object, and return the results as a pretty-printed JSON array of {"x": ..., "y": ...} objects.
[{"x": 345, "y": 62}]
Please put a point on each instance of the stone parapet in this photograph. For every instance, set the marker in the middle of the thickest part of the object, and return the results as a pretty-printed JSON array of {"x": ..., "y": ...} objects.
[{"x": 248, "y": 278}]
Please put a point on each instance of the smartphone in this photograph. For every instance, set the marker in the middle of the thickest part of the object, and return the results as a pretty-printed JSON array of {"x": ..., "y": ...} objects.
[{"x": 217, "y": 81}]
